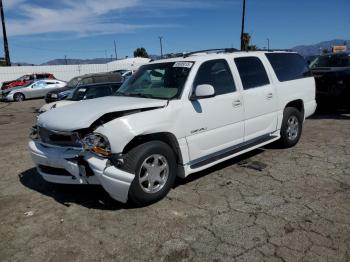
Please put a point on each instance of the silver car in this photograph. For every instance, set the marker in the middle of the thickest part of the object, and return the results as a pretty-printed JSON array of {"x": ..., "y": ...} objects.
[{"x": 33, "y": 90}]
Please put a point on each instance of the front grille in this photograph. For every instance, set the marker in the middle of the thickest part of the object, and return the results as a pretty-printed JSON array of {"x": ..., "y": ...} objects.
[
  {"x": 66, "y": 139},
  {"x": 54, "y": 171}
]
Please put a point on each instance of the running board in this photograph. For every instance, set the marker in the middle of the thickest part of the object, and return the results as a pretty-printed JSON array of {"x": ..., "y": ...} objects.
[{"x": 206, "y": 160}]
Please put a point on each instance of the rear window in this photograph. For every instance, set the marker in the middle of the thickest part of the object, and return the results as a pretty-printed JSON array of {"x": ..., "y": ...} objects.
[{"x": 288, "y": 66}]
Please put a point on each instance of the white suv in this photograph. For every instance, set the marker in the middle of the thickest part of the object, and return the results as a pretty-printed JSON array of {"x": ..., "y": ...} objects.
[{"x": 175, "y": 117}]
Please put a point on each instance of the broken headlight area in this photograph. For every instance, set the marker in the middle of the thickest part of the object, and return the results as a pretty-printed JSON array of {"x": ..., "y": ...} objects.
[
  {"x": 34, "y": 134},
  {"x": 98, "y": 144}
]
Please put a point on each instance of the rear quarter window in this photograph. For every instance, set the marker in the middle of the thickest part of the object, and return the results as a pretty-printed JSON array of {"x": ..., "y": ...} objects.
[{"x": 288, "y": 66}]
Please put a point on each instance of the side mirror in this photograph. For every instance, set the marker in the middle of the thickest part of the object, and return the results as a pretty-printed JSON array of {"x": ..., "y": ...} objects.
[{"x": 203, "y": 91}]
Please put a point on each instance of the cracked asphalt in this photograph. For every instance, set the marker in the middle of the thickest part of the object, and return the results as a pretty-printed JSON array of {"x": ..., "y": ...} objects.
[{"x": 268, "y": 205}]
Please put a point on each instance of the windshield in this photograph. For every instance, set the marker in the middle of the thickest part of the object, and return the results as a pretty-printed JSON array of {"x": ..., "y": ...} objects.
[
  {"x": 78, "y": 94},
  {"x": 22, "y": 78},
  {"x": 342, "y": 60},
  {"x": 158, "y": 81},
  {"x": 73, "y": 82}
]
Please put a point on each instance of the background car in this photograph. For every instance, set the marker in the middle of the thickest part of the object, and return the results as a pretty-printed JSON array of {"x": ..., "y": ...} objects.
[
  {"x": 61, "y": 94},
  {"x": 84, "y": 92},
  {"x": 125, "y": 73},
  {"x": 26, "y": 79},
  {"x": 34, "y": 89},
  {"x": 332, "y": 75}
]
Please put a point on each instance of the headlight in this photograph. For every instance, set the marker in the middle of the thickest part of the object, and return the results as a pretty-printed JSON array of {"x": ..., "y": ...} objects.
[{"x": 97, "y": 144}]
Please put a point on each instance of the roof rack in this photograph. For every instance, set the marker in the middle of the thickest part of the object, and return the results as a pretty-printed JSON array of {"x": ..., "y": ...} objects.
[
  {"x": 216, "y": 50},
  {"x": 274, "y": 50}
]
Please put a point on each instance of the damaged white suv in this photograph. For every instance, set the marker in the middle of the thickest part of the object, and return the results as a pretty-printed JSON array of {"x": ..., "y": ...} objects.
[{"x": 175, "y": 117}]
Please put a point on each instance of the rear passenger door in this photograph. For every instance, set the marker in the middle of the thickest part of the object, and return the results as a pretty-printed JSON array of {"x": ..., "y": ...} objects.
[
  {"x": 214, "y": 124},
  {"x": 259, "y": 98}
]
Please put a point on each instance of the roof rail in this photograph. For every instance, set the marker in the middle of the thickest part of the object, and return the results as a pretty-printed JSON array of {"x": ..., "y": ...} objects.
[{"x": 216, "y": 50}]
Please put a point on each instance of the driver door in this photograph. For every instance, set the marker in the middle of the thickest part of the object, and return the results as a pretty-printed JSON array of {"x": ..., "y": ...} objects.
[{"x": 38, "y": 89}]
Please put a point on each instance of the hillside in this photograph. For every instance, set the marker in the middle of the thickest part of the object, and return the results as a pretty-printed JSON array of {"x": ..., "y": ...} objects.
[{"x": 316, "y": 49}]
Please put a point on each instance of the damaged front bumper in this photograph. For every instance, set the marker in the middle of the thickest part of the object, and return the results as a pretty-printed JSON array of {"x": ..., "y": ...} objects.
[{"x": 73, "y": 166}]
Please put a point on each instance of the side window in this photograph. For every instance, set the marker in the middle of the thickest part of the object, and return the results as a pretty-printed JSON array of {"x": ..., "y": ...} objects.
[
  {"x": 115, "y": 87},
  {"x": 218, "y": 74},
  {"x": 100, "y": 79},
  {"x": 97, "y": 91},
  {"x": 39, "y": 84},
  {"x": 252, "y": 72},
  {"x": 86, "y": 81},
  {"x": 288, "y": 66}
]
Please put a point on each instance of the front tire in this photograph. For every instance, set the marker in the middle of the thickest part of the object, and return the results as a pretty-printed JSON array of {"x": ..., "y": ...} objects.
[
  {"x": 18, "y": 97},
  {"x": 154, "y": 166},
  {"x": 292, "y": 127}
]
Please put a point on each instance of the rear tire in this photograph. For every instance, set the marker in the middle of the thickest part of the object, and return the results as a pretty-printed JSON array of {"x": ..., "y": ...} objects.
[
  {"x": 292, "y": 127},
  {"x": 154, "y": 166},
  {"x": 18, "y": 97}
]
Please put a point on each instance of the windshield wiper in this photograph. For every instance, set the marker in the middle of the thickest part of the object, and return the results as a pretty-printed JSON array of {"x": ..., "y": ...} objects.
[{"x": 138, "y": 95}]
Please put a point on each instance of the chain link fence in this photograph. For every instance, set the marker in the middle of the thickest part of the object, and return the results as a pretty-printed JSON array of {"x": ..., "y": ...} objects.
[{"x": 67, "y": 72}]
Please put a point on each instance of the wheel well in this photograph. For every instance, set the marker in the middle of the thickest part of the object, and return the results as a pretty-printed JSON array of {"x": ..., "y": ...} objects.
[
  {"x": 298, "y": 104},
  {"x": 19, "y": 93},
  {"x": 168, "y": 138}
]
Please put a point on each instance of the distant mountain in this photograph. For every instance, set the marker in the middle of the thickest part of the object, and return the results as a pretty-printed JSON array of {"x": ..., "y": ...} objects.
[
  {"x": 308, "y": 50},
  {"x": 21, "y": 64},
  {"x": 78, "y": 61}
]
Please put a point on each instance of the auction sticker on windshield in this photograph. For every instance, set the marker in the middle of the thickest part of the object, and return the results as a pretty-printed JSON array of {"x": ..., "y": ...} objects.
[{"x": 183, "y": 64}]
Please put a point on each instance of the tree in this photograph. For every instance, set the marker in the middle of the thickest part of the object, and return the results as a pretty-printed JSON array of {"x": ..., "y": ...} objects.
[
  {"x": 252, "y": 48},
  {"x": 141, "y": 52},
  {"x": 246, "y": 41},
  {"x": 325, "y": 51}
]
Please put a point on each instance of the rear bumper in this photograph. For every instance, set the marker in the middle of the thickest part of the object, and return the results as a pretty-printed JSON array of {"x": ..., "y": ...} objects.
[{"x": 115, "y": 181}]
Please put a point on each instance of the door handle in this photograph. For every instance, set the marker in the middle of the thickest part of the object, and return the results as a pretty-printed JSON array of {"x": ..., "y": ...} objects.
[
  {"x": 269, "y": 96},
  {"x": 237, "y": 103}
]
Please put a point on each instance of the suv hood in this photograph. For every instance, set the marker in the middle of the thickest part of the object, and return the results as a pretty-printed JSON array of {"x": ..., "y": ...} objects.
[{"x": 83, "y": 114}]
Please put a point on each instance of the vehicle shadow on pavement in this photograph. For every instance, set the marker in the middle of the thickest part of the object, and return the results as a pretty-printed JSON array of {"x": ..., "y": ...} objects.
[
  {"x": 234, "y": 161},
  {"x": 331, "y": 113},
  {"x": 89, "y": 196}
]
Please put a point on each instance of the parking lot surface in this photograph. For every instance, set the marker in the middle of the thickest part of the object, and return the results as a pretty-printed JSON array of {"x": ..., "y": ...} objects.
[{"x": 268, "y": 205}]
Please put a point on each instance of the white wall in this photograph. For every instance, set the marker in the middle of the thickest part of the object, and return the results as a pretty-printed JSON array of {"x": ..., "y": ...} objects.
[{"x": 67, "y": 72}]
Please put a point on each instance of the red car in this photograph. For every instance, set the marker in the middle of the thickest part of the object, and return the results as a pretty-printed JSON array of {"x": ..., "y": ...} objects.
[{"x": 26, "y": 79}]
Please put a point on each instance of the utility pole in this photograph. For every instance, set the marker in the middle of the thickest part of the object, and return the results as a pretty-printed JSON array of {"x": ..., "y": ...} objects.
[
  {"x": 6, "y": 47},
  {"x": 65, "y": 59},
  {"x": 243, "y": 21},
  {"x": 115, "y": 51},
  {"x": 268, "y": 44},
  {"x": 161, "y": 46}
]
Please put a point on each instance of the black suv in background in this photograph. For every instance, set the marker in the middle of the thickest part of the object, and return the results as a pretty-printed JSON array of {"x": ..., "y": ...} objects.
[
  {"x": 332, "y": 75},
  {"x": 63, "y": 93}
]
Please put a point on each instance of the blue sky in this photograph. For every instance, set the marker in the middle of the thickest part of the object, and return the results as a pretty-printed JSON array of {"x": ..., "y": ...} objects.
[{"x": 40, "y": 30}]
